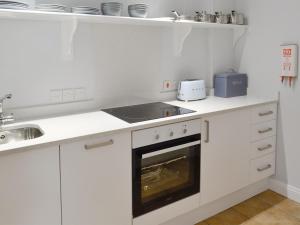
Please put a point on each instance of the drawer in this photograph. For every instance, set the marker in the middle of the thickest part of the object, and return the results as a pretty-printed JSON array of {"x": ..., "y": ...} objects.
[
  {"x": 263, "y": 130},
  {"x": 263, "y": 147},
  {"x": 263, "y": 167},
  {"x": 264, "y": 113}
]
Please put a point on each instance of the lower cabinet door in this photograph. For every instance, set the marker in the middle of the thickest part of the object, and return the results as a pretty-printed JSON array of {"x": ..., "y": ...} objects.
[
  {"x": 225, "y": 159},
  {"x": 30, "y": 187},
  {"x": 96, "y": 181}
]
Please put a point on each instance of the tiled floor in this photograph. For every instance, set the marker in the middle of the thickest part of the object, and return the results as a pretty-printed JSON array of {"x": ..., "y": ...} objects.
[{"x": 267, "y": 208}]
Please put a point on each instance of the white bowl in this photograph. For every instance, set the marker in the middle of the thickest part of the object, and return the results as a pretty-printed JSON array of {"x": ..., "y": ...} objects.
[
  {"x": 138, "y": 10},
  {"x": 111, "y": 8}
]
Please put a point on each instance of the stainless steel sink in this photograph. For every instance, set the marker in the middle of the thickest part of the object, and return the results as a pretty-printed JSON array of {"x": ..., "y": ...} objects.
[{"x": 10, "y": 135}]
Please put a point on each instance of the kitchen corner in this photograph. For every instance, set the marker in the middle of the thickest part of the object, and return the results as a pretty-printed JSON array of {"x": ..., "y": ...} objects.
[
  {"x": 200, "y": 130},
  {"x": 148, "y": 112}
]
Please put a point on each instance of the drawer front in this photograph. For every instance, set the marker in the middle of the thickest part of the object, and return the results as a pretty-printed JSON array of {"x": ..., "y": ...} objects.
[
  {"x": 263, "y": 167},
  {"x": 264, "y": 113},
  {"x": 263, "y": 130},
  {"x": 263, "y": 147}
]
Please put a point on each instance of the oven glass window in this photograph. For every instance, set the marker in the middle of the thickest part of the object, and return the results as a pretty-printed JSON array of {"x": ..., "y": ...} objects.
[{"x": 166, "y": 173}]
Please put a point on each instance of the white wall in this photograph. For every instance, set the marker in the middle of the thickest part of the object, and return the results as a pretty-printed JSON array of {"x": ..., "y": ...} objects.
[
  {"x": 116, "y": 64},
  {"x": 272, "y": 23}
]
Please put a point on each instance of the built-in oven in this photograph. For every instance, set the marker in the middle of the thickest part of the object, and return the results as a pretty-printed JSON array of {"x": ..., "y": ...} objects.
[{"x": 165, "y": 165}]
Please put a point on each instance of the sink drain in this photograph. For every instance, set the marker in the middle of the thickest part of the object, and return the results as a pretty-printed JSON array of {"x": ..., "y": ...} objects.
[{"x": 2, "y": 137}]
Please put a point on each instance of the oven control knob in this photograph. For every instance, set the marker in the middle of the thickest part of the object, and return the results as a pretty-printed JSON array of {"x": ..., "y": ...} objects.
[
  {"x": 157, "y": 137},
  {"x": 171, "y": 134},
  {"x": 185, "y": 131}
]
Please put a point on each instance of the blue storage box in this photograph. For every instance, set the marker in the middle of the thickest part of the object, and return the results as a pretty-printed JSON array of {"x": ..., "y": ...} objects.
[{"x": 230, "y": 84}]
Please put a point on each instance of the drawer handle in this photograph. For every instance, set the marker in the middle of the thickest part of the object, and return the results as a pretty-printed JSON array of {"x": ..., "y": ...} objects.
[
  {"x": 264, "y": 168},
  {"x": 265, "y": 131},
  {"x": 99, "y": 145},
  {"x": 266, "y": 113},
  {"x": 264, "y": 148}
]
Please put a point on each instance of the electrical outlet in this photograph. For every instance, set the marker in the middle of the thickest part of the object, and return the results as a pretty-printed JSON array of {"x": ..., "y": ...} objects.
[
  {"x": 79, "y": 94},
  {"x": 56, "y": 95},
  {"x": 68, "y": 95},
  {"x": 169, "y": 85}
]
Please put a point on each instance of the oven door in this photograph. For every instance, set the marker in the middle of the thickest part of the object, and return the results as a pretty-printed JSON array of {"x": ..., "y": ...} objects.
[{"x": 164, "y": 173}]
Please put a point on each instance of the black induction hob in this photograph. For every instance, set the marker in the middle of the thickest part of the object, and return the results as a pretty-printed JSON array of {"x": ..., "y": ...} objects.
[{"x": 144, "y": 112}]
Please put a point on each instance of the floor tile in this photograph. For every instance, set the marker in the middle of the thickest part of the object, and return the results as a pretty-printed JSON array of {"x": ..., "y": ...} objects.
[
  {"x": 228, "y": 217},
  {"x": 251, "y": 222},
  {"x": 202, "y": 223},
  {"x": 275, "y": 216},
  {"x": 267, "y": 208},
  {"x": 271, "y": 197},
  {"x": 252, "y": 207},
  {"x": 290, "y": 207}
]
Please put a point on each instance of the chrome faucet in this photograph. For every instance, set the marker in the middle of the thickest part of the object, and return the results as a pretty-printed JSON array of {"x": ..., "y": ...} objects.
[
  {"x": 176, "y": 15},
  {"x": 5, "y": 118}
]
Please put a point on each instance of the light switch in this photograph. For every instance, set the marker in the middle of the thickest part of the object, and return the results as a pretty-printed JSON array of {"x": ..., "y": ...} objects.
[{"x": 68, "y": 95}]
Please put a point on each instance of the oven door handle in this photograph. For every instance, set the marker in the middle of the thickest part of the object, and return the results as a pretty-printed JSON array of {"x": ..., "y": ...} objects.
[
  {"x": 172, "y": 149},
  {"x": 164, "y": 163}
]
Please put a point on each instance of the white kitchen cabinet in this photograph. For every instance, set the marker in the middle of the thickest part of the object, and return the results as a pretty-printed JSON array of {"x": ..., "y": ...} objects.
[
  {"x": 262, "y": 167},
  {"x": 264, "y": 113},
  {"x": 226, "y": 151},
  {"x": 96, "y": 181},
  {"x": 263, "y": 129},
  {"x": 30, "y": 187},
  {"x": 263, "y": 147}
]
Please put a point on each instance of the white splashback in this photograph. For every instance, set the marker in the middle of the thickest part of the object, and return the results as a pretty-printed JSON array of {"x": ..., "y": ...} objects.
[{"x": 116, "y": 64}]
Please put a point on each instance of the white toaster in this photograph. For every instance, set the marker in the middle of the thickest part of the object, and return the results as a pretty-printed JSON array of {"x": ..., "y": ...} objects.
[{"x": 191, "y": 90}]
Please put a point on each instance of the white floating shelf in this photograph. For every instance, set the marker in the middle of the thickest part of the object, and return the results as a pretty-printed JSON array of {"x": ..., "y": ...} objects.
[{"x": 53, "y": 16}]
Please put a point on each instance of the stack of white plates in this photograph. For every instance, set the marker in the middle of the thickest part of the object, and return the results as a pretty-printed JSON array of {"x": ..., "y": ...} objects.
[
  {"x": 85, "y": 10},
  {"x": 138, "y": 10},
  {"x": 12, "y": 5},
  {"x": 111, "y": 8},
  {"x": 51, "y": 7}
]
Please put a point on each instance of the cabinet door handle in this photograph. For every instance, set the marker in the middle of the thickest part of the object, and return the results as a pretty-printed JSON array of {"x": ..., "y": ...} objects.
[
  {"x": 99, "y": 145},
  {"x": 266, "y": 113},
  {"x": 265, "y": 131},
  {"x": 264, "y": 168},
  {"x": 207, "y": 131},
  {"x": 264, "y": 148}
]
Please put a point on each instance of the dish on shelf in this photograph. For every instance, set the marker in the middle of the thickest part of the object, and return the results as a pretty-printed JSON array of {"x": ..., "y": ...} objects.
[
  {"x": 51, "y": 8},
  {"x": 111, "y": 8},
  {"x": 157, "y": 22},
  {"x": 13, "y": 5},
  {"x": 138, "y": 10},
  {"x": 85, "y": 10}
]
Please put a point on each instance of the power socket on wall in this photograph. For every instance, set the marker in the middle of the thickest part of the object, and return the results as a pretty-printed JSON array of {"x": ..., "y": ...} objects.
[
  {"x": 169, "y": 86},
  {"x": 68, "y": 95}
]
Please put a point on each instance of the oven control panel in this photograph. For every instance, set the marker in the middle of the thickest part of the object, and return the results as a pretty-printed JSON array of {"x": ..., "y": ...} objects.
[{"x": 164, "y": 133}]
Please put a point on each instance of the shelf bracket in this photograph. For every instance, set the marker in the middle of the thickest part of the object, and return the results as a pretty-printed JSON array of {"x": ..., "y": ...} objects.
[
  {"x": 180, "y": 33},
  {"x": 238, "y": 34},
  {"x": 68, "y": 30}
]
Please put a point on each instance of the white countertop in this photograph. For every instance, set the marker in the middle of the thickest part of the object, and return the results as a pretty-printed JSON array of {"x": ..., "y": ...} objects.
[{"x": 59, "y": 129}]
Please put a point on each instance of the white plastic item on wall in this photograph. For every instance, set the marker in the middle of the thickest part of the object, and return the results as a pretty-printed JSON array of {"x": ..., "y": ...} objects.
[{"x": 289, "y": 63}]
